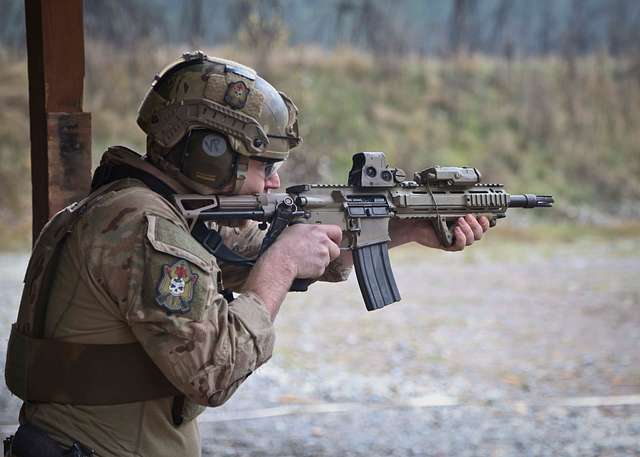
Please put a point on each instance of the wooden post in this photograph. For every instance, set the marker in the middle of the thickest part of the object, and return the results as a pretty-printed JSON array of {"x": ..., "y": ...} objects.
[{"x": 60, "y": 130}]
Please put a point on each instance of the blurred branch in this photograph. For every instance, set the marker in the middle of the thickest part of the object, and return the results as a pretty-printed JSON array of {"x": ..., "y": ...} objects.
[
  {"x": 462, "y": 12},
  {"x": 123, "y": 22},
  {"x": 193, "y": 22},
  {"x": 260, "y": 29}
]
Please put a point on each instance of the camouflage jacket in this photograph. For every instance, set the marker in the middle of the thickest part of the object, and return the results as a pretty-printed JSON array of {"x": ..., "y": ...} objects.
[{"x": 130, "y": 271}]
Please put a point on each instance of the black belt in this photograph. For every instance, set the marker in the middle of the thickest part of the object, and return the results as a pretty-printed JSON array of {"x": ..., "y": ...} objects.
[{"x": 32, "y": 441}]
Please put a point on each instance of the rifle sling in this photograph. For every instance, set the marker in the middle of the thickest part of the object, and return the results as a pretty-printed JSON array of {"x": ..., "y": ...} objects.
[
  {"x": 212, "y": 242},
  {"x": 209, "y": 239}
]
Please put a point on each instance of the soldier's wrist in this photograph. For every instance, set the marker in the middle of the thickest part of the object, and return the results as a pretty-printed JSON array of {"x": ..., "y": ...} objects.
[
  {"x": 277, "y": 264},
  {"x": 399, "y": 232},
  {"x": 270, "y": 279}
]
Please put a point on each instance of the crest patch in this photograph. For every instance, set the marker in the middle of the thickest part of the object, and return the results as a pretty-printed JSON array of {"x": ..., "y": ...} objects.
[
  {"x": 236, "y": 95},
  {"x": 175, "y": 288}
]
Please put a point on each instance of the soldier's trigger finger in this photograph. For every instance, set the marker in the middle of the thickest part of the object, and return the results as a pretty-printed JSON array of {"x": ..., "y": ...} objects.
[
  {"x": 334, "y": 233},
  {"x": 334, "y": 251}
]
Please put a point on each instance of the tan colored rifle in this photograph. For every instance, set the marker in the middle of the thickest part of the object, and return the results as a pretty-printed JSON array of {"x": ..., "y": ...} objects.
[{"x": 375, "y": 193}]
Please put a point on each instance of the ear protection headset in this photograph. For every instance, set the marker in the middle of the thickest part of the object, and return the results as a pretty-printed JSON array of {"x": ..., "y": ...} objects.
[{"x": 206, "y": 156}]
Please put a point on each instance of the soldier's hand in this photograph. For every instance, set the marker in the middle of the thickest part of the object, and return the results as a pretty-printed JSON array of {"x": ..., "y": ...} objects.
[
  {"x": 301, "y": 251},
  {"x": 308, "y": 248},
  {"x": 466, "y": 231}
]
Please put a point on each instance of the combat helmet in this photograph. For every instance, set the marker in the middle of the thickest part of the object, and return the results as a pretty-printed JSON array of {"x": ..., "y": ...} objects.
[{"x": 205, "y": 117}]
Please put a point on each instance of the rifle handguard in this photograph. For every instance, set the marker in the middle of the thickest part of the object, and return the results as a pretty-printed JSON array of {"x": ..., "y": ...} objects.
[{"x": 375, "y": 277}]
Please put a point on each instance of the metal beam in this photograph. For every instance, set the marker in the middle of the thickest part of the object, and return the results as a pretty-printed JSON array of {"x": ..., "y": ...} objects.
[{"x": 60, "y": 130}]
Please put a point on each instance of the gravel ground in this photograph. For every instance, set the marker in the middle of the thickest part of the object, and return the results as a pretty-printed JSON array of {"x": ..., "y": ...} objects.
[{"x": 503, "y": 350}]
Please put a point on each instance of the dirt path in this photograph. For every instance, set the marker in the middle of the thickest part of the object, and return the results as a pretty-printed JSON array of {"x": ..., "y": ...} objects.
[{"x": 500, "y": 351}]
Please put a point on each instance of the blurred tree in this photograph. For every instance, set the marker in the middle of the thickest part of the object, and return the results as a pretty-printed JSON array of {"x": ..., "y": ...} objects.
[
  {"x": 378, "y": 28},
  {"x": 623, "y": 26},
  {"x": 546, "y": 27},
  {"x": 462, "y": 12},
  {"x": 123, "y": 22},
  {"x": 344, "y": 9},
  {"x": 193, "y": 22},
  {"x": 497, "y": 27},
  {"x": 501, "y": 40},
  {"x": 260, "y": 29},
  {"x": 12, "y": 24},
  {"x": 579, "y": 33}
]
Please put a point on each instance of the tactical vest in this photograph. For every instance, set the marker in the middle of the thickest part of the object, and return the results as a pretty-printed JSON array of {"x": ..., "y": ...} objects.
[{"x": 46, "y": 370}]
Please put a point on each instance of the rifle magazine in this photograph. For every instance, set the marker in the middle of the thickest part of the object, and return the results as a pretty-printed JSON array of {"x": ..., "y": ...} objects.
[{"x": 375, "y": 276}]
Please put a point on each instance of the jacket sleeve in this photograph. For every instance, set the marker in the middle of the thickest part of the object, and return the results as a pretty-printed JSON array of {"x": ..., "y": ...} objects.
[
  {"x": 245, "y": 242},
  {"x": 204, "y": 345}
]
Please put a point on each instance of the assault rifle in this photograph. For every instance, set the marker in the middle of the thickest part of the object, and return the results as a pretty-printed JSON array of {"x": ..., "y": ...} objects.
[{"x": 375, "y": 193}]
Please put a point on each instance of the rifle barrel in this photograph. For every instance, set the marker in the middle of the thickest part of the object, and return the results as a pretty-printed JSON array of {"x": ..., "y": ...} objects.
[{"x": 530, "y": 201}]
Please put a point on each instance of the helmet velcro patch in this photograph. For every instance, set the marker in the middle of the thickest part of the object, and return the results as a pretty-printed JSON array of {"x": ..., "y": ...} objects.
[{"x": 236, "y": 94}]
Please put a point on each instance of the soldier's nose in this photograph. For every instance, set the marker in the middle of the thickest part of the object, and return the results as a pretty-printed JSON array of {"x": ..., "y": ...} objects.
[{"x": 272, "y": 182}]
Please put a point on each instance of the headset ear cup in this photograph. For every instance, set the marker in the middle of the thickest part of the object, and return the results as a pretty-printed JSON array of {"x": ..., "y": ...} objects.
[{"x": 208, "y": 159}]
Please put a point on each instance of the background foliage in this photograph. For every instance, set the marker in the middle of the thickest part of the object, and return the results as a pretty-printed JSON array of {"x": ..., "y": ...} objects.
[{"x": 543, "y": 96}]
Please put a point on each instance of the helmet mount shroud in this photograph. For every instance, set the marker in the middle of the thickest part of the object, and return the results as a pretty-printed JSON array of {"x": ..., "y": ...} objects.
[{"x": 205, "y": 117}]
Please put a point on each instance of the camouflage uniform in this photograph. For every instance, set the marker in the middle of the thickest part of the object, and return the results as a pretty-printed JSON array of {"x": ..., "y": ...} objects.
[
  {"x": 130, "y": 271},
  {"x": 113, "y": 286}
]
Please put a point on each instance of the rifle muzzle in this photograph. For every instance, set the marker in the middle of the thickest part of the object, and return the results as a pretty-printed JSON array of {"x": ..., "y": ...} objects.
[{"x": 530, "y": 201}]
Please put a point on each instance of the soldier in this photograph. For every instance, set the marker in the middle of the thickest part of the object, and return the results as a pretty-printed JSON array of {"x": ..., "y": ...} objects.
[{"x": 127, "y": 328}]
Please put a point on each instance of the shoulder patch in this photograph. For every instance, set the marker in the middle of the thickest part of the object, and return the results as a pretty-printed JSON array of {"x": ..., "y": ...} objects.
[
  {"x": 167, "y": 237},
  {"x": 175, "y": 287}
]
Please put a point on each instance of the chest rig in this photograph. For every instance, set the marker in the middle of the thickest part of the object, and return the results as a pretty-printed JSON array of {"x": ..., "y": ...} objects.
[{"x": 40, "y": 369}]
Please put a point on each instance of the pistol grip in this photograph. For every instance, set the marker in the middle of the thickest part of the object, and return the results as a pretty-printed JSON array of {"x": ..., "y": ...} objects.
[
  {"x": 301, "y": 284},
  {"x": 375, "y": 277}
]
